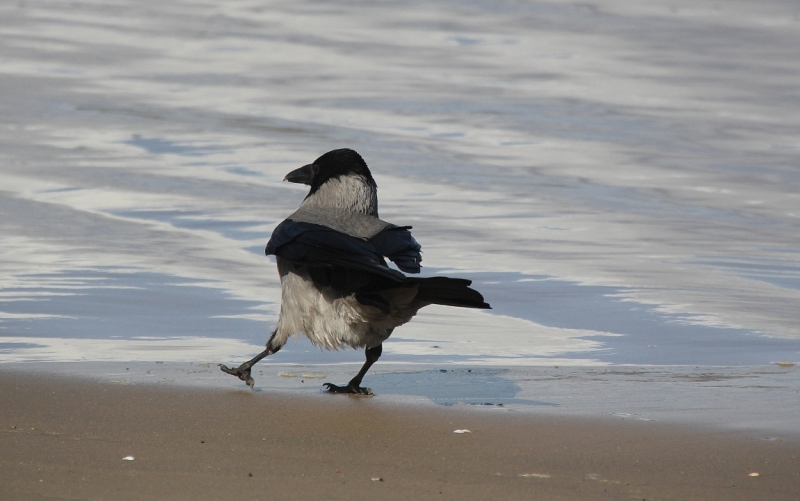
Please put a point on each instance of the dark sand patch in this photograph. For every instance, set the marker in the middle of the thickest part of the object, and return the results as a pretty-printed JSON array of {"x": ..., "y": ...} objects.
[{"x": 66, "y": 438}]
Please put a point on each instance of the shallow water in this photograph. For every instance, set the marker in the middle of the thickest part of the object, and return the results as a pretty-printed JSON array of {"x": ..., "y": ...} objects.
[{"x": 621, "y": 182}]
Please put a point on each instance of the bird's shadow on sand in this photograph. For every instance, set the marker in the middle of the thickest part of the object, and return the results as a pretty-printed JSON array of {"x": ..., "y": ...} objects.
[{"x": 453, "y": 386}]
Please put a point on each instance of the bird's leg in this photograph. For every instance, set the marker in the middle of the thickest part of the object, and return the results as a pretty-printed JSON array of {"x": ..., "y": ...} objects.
[
  {"x": 354, "y": 386},
  {"x": 243, "y": 371}
]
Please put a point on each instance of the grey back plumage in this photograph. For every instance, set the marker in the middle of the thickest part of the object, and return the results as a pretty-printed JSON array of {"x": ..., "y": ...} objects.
[{"x": 355, "y": 224}]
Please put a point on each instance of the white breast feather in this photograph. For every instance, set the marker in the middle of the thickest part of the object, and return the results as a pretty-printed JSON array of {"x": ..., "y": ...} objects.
[{"x": 333, "y": 321}]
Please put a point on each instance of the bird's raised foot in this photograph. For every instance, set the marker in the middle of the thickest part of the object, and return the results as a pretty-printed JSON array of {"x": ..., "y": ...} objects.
[
  {"x": 350, "y": 388},
  {"x": 243, "y": 374}
]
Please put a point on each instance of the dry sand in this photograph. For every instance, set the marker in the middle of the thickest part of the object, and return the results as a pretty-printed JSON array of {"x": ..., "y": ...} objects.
[{"x": 66, "y": 438}]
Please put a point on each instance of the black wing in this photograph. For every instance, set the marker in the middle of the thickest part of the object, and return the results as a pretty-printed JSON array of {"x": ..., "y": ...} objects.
[{"x": 316, "y": 245}]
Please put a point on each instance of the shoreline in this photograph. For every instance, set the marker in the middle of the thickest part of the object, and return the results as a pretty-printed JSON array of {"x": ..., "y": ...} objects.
[
  {"x": 760, "y": 400},
  {"x": 67, "y": 437}
]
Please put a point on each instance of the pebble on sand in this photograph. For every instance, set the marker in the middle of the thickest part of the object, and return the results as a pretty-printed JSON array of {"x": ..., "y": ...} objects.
[
  {"x": 754, "y": 474},
  {"x": 461, "y": 431},
  {"x": 128, "y": 458}
]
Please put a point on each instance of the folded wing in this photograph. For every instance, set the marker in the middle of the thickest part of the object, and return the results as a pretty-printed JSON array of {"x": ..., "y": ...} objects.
[{"x": 318, "y": 245}]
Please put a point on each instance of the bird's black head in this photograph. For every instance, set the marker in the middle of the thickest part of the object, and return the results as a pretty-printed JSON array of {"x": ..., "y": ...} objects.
[{"x": 334, "y": 164}]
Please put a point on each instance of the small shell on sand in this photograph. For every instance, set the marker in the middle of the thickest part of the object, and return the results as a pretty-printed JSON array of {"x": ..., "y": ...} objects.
[
  {"x": 534, "y": 475},
  {"x": 461, "y": 431},
  {"x": 128, "y": 458},
  {"x": 754, "y": 474}
]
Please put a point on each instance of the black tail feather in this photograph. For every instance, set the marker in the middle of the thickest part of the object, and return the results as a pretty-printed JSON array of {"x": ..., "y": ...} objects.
[{"x": 450, "y": 292}]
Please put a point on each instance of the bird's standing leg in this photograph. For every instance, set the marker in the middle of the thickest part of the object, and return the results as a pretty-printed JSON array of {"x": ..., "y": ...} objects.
[
  {"x": 243, "y": 371},
  {"x": 354, "y": 386}
]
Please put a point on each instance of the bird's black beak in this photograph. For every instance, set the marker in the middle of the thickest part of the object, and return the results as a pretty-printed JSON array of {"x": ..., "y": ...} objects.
[{"x": 303, "y": 175}]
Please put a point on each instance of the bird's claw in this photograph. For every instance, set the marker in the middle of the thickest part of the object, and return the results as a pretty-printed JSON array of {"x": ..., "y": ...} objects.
[
  {"x": 350, "y": 388},
  {"x": 243, "y": 374}
]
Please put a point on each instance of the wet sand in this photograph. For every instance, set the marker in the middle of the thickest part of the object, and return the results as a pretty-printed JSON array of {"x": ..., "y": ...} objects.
[{"x": 66, "y": 438}]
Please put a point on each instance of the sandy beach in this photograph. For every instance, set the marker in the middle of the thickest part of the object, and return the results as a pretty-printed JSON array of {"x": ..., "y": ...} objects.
[{"x": 66, "y": 438}]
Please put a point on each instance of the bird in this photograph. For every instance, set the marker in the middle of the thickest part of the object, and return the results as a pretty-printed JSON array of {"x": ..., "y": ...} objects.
[{"x": 337, "y": 288}]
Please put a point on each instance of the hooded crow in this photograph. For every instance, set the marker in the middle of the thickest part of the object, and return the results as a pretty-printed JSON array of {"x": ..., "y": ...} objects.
[{"x": 336, "y": 287}]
